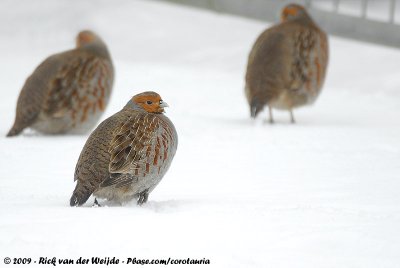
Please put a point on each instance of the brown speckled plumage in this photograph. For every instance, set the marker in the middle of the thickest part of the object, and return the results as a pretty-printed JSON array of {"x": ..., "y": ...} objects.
[
  {"x": 287, "y": 64},
  {"x": 127, "y": 155},
  {"x": 67, "y": 92}
]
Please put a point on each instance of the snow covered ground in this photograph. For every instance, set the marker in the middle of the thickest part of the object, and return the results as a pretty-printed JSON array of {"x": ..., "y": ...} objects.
[{"x": 321, "y": 193}]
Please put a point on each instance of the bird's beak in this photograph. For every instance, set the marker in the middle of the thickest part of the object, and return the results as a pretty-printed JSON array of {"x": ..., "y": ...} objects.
[{"x": 164, "y": 104}]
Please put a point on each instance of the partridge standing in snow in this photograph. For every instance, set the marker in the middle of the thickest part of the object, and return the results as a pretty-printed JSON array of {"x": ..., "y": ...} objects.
[
  {"x": 287, "y": 64},
  {"x": 69, "y": 91},
  {"x": 128, "y": 154}
]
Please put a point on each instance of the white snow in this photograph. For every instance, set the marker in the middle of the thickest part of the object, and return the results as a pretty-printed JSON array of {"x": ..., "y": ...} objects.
[{"x": 321, "y": 193}]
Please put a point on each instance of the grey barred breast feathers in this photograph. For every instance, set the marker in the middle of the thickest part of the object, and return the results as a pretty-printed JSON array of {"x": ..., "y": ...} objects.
[
  {"x": 69, "y": 91},
  {"x": 287, "y": 64},
  {"x": 128, "y": 154}
]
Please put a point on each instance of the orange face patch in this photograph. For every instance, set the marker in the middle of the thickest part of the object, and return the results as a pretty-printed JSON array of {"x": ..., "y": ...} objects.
[
  {"x": 85, "y": 37},
  {"x": 149, "y": 102},
  {"x": 289, "y": 11}
]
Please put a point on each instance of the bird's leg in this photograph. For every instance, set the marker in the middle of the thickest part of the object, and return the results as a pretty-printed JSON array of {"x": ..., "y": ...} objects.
[
  {"x": 253, "y": 111},
  {"x": 143, "y": 196},
  {"x": 96, "y": 204},
  {"x": 292, "y": 116},
  {"x": 271, "y": 118}
]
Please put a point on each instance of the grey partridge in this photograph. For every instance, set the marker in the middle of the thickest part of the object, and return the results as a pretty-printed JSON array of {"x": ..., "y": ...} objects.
[
  {"x": 287, "y": 64},
  {"x": 67, "y": 92},
  {"x": 128, "y": 154}
]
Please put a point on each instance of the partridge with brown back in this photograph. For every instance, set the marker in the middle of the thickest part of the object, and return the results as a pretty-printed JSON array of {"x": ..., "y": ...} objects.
[
  {"x": 287, "y": 64},
  {"x": 128, "y": 154},
  {"x": 69, "y": 91}
]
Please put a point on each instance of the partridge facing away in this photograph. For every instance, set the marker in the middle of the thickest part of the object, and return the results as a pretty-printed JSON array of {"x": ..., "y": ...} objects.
[
  {"x": 67, "y": 92},
  {"x": 128, "y": 154},
  {"x": 287, "y": 64}
]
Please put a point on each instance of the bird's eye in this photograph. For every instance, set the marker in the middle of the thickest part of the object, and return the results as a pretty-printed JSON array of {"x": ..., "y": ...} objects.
[{"x": 149, "y": 102}]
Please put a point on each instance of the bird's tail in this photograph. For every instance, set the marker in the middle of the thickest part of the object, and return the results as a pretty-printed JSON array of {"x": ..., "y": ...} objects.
[
  {"x": 15, "y": 130},
  {"x": 255, "y": 108},
  {"x": 23, "y": 119},
  {"x": 80, "y": 195}
]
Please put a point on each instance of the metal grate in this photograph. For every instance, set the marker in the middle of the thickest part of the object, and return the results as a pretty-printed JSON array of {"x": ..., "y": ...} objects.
[
  {"x": 387, "y": 10},
  {"x": 365, "y": 20}
]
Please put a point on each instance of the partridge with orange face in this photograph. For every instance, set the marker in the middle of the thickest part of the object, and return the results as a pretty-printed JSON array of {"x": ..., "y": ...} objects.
[
  {"x": 128, "y": 154},
  {"x": 67, "y": 92},
  {"x": 287, "y": 64}
]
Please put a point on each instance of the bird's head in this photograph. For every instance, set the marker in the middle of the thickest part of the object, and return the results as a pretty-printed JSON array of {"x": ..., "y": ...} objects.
[
  {"x": 293, "y": 11},
  {"x": 86, "y": 38},
  {"x": 149, "y": 101}
]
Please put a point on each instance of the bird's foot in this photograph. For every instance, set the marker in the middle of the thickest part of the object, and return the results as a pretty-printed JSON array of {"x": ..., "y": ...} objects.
[
  {"x": 143, "y": 197},
  {"x": 292, "y": 117},
  {"x": 271, "y": 117},
  {"x": 96, "y": 204}
]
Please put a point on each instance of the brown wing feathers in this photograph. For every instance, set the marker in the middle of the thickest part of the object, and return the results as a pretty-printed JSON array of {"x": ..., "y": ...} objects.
[
  {"x": 131, "y": 142},
  {"x": 129, "y": 149},
  {"x": 78, "y": 89}
]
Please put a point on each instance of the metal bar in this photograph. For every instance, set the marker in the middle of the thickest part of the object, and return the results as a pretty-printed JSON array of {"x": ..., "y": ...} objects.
[
  {"x": 336, "y": 4},
  {"x": 364, "y": 8},
  {"x": 392, "y": 11}
]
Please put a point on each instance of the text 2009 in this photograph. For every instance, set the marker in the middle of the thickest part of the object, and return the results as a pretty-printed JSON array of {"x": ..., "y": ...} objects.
[{"x": 22, "y": 260}]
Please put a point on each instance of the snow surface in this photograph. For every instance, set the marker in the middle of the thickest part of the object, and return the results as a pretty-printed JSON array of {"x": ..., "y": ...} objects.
[{"x": 242, "y": 193}]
